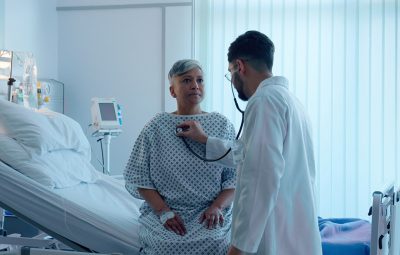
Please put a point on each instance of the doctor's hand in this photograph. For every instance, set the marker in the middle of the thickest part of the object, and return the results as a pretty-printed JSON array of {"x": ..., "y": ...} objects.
[
  {"x": 176, "y": 225},
  {"x": 212, "y": 217},
  {"x": 193, "y": 130}
]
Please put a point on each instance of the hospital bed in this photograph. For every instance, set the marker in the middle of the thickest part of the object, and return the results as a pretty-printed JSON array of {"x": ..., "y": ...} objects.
[
  {"x": 97, "y": 217},
  {"x": 47, "y": 180}
]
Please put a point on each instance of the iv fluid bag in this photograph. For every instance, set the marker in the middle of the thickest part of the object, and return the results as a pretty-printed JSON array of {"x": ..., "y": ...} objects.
[{"x": 29, "y": 81}]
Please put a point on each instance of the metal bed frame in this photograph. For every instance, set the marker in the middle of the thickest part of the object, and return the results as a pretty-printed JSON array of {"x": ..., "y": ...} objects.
[{"x": 385, "y": 226}]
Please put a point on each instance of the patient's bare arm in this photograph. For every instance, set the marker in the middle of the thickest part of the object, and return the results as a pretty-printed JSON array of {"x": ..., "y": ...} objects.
[
  {"x": 213, "y": 215},
  {"x": 154, "y": 199}
]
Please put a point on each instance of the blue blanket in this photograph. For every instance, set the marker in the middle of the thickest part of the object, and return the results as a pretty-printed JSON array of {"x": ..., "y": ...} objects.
[{"x": 345, "y": 236}]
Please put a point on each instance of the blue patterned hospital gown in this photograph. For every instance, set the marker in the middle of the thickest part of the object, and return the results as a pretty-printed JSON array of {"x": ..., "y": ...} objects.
[{"x": 160, "y": 161}]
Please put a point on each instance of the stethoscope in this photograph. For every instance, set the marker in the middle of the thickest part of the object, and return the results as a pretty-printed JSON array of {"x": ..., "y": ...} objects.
[{"x": 237, "y": 136}]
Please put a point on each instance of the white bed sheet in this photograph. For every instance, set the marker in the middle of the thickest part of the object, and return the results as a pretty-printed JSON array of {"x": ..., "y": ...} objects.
[{"x": 101, "y": 216}]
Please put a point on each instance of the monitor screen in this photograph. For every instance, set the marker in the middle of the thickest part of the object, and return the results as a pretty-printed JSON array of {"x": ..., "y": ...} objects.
[{"x": 107, "y": 112}]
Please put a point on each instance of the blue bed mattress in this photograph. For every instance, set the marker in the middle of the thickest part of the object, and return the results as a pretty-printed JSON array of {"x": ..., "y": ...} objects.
[{"x": 345, "y": 236}]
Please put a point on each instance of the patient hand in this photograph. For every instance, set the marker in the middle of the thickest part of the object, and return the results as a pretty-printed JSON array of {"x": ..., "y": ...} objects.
[
  {"x": 212, "y": 217},
  {"x": 176, "y": 225}
]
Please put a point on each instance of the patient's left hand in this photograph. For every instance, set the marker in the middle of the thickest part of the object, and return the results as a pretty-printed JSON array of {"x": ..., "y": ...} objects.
[{"x": 212, "y": 217}]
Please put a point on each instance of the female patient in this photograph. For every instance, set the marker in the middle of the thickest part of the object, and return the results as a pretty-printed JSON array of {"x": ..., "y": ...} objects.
[{"x": 187, "y": 208}]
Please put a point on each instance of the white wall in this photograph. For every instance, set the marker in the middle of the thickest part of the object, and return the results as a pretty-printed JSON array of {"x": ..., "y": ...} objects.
[
  {"x": 1, "y": 24},
  {"x": 32, "y": 26},
  {"x": 122, "y": 51}
]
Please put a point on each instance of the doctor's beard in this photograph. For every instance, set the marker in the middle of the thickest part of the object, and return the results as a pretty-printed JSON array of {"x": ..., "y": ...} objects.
[{"x": 239, "y": 86}]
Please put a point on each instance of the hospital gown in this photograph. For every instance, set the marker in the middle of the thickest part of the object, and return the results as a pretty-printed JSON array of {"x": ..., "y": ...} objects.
[{"x": 161, "y": 161}]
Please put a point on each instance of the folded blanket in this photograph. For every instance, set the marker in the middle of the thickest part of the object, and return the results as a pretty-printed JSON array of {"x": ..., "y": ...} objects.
[{"x": 345, "y": 236}]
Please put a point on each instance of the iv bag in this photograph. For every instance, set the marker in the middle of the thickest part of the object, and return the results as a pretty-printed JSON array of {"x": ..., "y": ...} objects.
[{"x": 29, "y": 81}]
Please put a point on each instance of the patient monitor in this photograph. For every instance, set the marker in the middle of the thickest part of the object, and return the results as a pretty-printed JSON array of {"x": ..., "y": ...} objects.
[
  {"x": 106, "y": 116},
  {"x": 106, "y": 123}
]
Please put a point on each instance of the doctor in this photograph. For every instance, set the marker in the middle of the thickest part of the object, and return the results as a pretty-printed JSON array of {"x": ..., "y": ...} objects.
[{"x": 274, "y": 207}]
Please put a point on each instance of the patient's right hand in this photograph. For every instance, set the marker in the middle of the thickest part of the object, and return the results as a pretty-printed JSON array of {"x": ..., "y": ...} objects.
[
  {"x": 176, "y": 225},
  {"x": 212, "y": 217}
]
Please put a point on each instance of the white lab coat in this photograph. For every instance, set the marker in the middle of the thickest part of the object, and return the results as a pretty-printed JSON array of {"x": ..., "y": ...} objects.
[{"x": 274, "y": 208}]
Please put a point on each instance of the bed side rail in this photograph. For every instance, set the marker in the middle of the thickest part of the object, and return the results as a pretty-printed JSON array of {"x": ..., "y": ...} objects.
[
  {"x": 385, "y": 230},
  {"x": 394, "y": 245}
]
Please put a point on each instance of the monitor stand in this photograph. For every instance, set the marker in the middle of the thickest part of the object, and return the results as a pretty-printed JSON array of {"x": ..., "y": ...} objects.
[{"x": 106, "y": 135}]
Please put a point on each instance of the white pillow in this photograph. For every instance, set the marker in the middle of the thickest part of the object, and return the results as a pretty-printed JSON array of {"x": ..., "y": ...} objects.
[
  {"x": 40, "y": 132},
  {"x": 69, "y": 132},
  {"x": 55, "y": 169}
]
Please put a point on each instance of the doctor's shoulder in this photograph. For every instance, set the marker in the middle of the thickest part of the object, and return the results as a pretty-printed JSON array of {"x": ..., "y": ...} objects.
[{"x": 271, "y": 97}]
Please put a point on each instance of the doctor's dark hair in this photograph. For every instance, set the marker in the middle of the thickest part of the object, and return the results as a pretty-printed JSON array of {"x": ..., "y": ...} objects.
[
  {"x": 183, "y": 66},
  {"x": 255, "y": 48}
]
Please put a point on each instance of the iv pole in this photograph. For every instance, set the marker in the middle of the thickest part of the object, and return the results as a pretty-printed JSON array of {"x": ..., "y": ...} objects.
[
  {"x": 107, "y": 138},
  {"x": 11, "y": 80},
  {"x": 106, "y": 135}
]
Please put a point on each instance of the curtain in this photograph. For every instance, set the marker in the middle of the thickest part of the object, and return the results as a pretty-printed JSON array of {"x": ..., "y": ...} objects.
[{"x": 342, "y": 61}]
